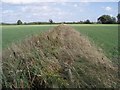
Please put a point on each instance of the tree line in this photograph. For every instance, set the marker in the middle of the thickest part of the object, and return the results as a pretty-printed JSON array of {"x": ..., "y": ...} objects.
[{"x": 104, "y": 19}]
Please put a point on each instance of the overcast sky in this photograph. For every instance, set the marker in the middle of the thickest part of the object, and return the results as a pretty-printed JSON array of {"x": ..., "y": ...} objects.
[{"x": 58, "y": 10}]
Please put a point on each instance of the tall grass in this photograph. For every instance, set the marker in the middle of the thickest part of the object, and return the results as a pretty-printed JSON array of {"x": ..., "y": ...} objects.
[{"x": 60, "y": 58}]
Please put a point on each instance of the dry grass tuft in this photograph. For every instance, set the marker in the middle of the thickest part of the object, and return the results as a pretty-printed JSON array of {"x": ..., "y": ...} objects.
[{"x": 59, "y": 58}]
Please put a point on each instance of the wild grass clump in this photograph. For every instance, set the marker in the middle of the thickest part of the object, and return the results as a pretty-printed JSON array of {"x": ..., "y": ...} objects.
[{"x": 59, "y": 58}]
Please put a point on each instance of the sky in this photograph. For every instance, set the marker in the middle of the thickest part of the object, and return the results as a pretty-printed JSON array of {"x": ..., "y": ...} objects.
[{"x": 57, "y": 10}]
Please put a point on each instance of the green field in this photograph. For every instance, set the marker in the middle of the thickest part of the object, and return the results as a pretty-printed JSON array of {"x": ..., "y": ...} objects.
[{"x": 104, "y": 36}]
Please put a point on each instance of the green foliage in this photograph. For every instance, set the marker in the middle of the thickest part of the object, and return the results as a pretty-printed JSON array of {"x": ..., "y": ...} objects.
[
  {"x": 118, "y": 17},
  {"x": 107, "y": 19},
  {"x": 51, "y": 21},
  {"x": 19, "y": 22},
  {"x": 87, "y": 22}
]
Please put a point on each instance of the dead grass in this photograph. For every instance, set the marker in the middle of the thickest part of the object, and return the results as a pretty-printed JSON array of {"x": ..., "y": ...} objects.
[{"x": 58, "y": 58}]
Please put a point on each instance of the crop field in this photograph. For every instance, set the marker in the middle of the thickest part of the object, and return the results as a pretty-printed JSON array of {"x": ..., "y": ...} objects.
[
  {"x": 59, "y": 45},
  {"x": 60, "y": 55},
  {"x": 104, "y": 36}
]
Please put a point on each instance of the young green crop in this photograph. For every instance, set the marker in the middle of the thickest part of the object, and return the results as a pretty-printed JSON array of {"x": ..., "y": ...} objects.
[{"x": 14, "y": 33}]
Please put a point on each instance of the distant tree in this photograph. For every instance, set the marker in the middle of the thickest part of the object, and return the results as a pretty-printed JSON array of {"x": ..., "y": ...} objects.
[
  {"x": 87, "y": 22},
  {"x": 113, "y": 20},
  {"x": 19, "y": 22},
  {"x": 25, "y": 23},
  {"x": 51, "y": 21},
  {"x": 81, "y": 22},
  {"x": 118, "y": 18},
  {"x": 63, "y": 22},
  {"x": 106, "y": 19}
]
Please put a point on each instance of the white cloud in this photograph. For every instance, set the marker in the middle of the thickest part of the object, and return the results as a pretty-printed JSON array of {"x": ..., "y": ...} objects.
[
  {"x": 75, "y": 5},
  {"x": 30, "y": 1},
  {"x": 37, "y": 1},
  {"x": 19, "y": 1},
  {"x": 111, "y": 15},
  {"x": 44, "y": 11},
  {"x": 39, "y": 9},
  {"x": 99, "y": 0},
  {"x": 7, "y": 11},
  {"x": 63, "y": 3},
  {"x": 36, "y": 12},
  {"x": 108, "y": 8}
]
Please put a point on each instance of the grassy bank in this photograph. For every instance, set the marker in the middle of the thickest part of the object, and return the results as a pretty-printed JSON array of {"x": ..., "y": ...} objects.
[{"x": 104, "y": 36}]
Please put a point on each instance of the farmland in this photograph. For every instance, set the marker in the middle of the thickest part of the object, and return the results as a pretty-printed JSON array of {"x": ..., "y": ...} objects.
[
  {"x": 104, "y": 36},
  {"x": 60, "y": 57}
]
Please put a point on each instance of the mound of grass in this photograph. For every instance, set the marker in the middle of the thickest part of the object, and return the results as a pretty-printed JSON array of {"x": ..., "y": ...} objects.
[
  {"x": 104, "y": 36},
  {"x": 58, "y": 58}
]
